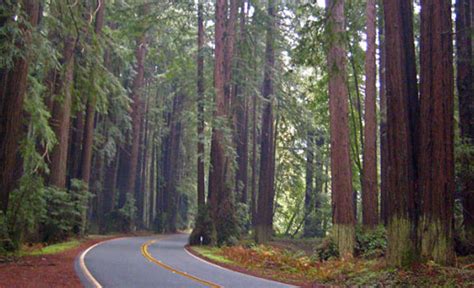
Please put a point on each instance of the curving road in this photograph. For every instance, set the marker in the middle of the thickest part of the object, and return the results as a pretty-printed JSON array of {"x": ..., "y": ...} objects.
[{"x": 156, "y": 262}]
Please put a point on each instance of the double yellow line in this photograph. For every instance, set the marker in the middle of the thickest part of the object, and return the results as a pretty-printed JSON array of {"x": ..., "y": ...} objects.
[{"x": 148, "y": 256}]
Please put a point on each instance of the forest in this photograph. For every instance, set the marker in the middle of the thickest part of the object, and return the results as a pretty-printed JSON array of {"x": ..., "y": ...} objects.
[{"x": 339, "y": 129}]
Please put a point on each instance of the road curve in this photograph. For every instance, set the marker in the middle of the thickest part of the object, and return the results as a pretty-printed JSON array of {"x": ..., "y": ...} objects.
[{"x": 156, "y": 262}]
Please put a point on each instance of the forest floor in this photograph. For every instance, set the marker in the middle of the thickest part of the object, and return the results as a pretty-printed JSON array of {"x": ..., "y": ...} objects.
[
  {"x": 298, "y": 267},
  {"x": 46, "y": 266}
]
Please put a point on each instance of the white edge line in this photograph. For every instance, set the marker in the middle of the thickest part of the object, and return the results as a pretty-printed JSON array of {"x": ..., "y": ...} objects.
[
  {"x": 230, "y": 270},
  {"x": 83, "y": 266}
]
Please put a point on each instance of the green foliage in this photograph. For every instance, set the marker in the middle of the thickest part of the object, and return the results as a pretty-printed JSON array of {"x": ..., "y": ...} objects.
[
  {"x": 370, "y": 243},
  {"x": 226, "y": 224},
  {"x": 128, "y": 213},
  {"x": 66, "y": 213},
  {"x": 56, "y": 248},
  {"x": 204, "y": 232}
]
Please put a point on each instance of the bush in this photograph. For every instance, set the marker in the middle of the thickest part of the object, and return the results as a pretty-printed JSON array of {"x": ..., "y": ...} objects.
[
  {"x": 369, "y": 244},
  {"x": 204, "y": 232}
]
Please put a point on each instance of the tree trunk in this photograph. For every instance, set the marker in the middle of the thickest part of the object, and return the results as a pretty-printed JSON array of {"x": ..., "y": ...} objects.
[
  {"x": 370, "y": 201},
  {"x": 402, "y": 107},
  {"x": 436, "y": 162},
  {"x": 91, "y": 103},
  {"x": 241, "y": 115},
  {"x": 466, "y": 108},
  {"x": 220, "y": 181},
  {"x": 137, "y": 113},
  {"x": 309, "y": 201},
  {"x": 341, "y": 175},
  {"x": 383, "y": 119},
  {"x": 266, "y": 192},
  {"x": 61, "y": 116},
  {"x": 13, "y": 85},
  {"x": 200, "y": 112}
]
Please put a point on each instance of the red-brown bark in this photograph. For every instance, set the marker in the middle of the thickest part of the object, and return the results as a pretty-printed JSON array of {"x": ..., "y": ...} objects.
[
  {"x": 137, "y": 113},
  {"x": 383, "y": 119},
  {"x": 200, "y": 109},
  {"x": 341, "y": 174},
  {"x": 266, "y": 191},
  {"x": 402, "y": 113},
  {"x": 88, "y": 138},
  {"x": 61, "y": 116},
  {"x": 436, "y": 162},
  {"x": 13, "y": 84},
  {"x": 370, "y": 201}
]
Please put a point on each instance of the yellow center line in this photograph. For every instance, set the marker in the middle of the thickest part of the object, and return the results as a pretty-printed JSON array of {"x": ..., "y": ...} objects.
[{"x": 148, "y": 256}]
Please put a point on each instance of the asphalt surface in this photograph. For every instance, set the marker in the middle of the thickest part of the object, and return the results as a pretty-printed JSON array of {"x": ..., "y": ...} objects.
[{"x": 120, "y": 263}]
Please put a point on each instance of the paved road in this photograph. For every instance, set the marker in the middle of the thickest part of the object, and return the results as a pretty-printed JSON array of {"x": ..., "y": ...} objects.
[{"x": 157, "y": 262}]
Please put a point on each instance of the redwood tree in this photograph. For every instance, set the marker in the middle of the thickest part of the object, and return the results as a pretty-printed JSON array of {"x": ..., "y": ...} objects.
[
  {"x": 436, "y": 162},
  {"x": 341, "y": 174},
  {"x": 402, "y": 114},
  {"x": 61, "y": 115},
  {"x": 88, "y": 137},
  {"x": 464, "y": 83},
  {"x": 369, "y": 185},
  {"x": 220, "y": 174},
  {"x": 137, "y": 113},
  {"x": 13, "y": 84},
  {"x": 266, "y": 191}
]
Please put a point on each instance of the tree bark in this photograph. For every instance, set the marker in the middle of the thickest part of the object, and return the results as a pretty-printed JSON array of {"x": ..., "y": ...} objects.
[
  {"x": 309, "y": 201},
  {"x": 465, "y": 77},
  {"x": 266, "y": 191},
  {"x": 436, "y": 162},
  {"x": 13, "y": 85},
  {"x": 61, "y": 116},
  {"x": 370, "y": 201},
  {"x": 341, "y": 175},
  {"x": 200, "y": 109},
  {"x": 91, "y": 103},
  {"x": 137, "y": 113},
  {"x": 220, "y": 178},
  {"x": 402, "y": 113},
  {"x": 383, "y": 119}
]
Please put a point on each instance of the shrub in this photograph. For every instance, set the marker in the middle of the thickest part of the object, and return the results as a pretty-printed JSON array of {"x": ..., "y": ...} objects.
[
  {"x": 203, "y": 228},
  {"x": 369, "y": 244}
]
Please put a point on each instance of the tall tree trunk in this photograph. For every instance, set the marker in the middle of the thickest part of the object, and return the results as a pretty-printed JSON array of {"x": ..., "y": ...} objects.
[
  {"x": 402, "y": 107},
  {"x": 266, "y": 192},
  {"x": 137, "y": 113},
  {"x": 91, "y": 103},
  {"x": 13, "y": 85},
  {"x": 341, "y": 175},
  {"x": 370, "y": 201},
  {"x": 220, "y": 178},
  {"x": 309, "y": 201},
  {"x": 200, "y": 106},
  {"x": 61, "y": 116},
  {"x": 241, "y": 114},
  {"x": 465, "y": 77},
  {"x": 76, "y": 134},
  {"x": 436, "y": 162},
  {"x": 383, "y": 118}
]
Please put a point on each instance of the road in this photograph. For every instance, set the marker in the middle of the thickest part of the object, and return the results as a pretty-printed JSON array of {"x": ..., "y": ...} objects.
[{"x": 156, "y": 262}]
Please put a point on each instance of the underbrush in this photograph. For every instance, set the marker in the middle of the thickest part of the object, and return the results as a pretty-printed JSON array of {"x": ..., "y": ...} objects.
[{"x": 296, "y": 267}]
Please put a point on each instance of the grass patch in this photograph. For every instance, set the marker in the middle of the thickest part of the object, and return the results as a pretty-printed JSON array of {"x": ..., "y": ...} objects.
[
  {"x": 53, "y": 249},
  {"x": 213, "y": 253}
]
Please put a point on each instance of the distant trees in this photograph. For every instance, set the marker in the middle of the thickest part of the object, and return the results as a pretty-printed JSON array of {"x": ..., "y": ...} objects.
[{"x": 465, "y": 90}]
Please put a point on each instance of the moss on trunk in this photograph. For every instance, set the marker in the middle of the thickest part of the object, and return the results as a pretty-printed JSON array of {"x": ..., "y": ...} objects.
[
  {"x": 402, "y": 248},
  {"x": 436, "y": 241},
  {"x": 344, "y": 236}
]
